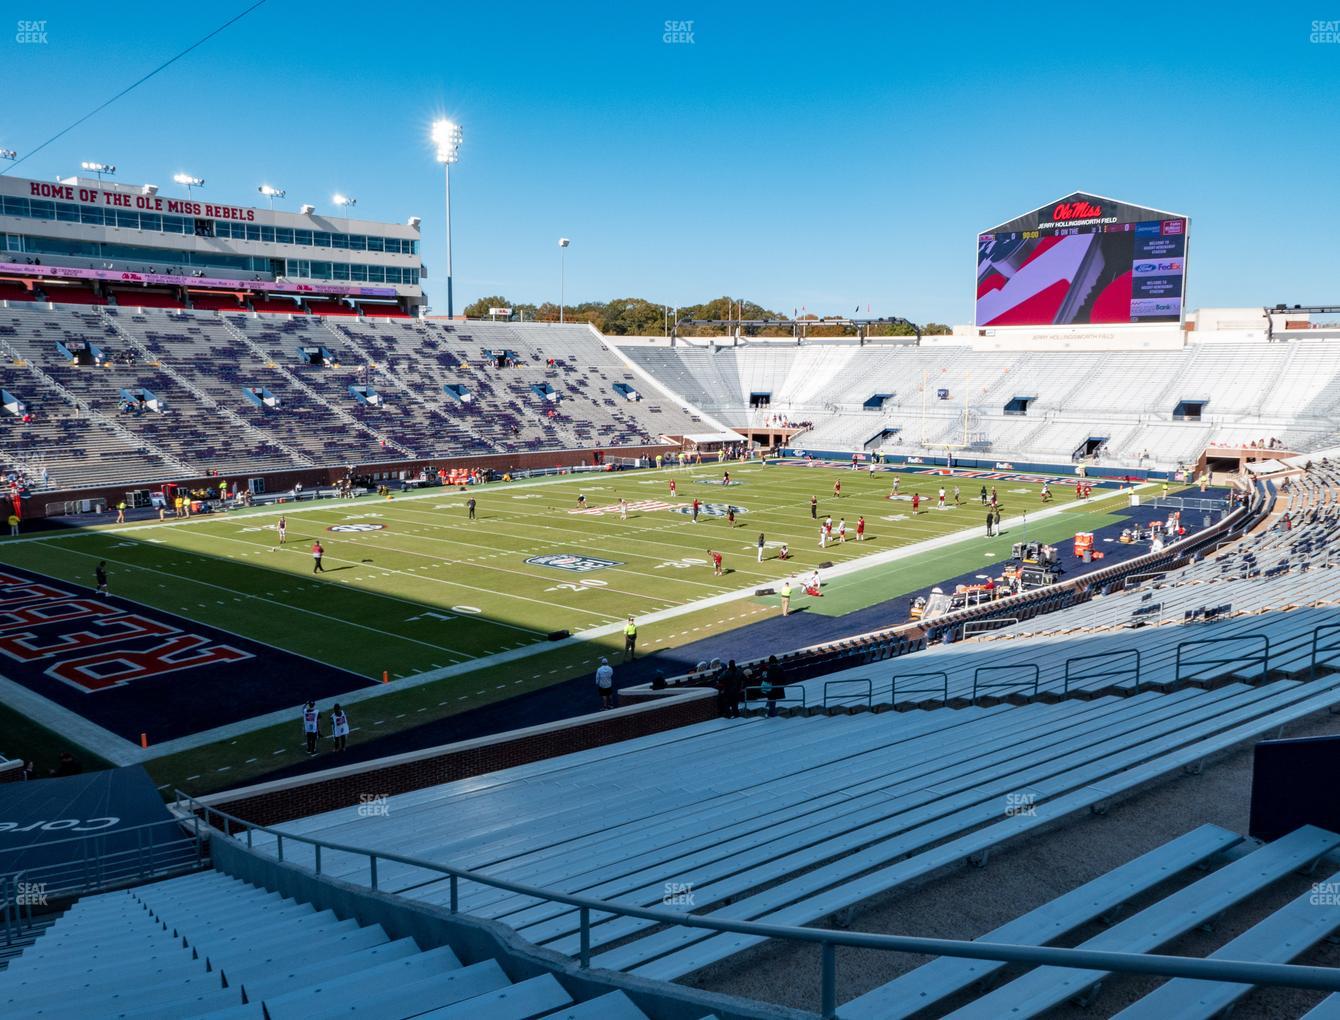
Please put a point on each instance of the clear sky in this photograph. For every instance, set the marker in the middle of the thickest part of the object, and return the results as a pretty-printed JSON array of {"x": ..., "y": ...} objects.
[{"x": 816, "y": 155}]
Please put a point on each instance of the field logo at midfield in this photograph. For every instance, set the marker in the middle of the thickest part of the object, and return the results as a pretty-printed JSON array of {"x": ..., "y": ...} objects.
[
  {"x": 366, "y": 526},
  {"x": 711, "y": 509},
  {"x": 571, "y": 561},
  {"x": 719, "y": 481}
]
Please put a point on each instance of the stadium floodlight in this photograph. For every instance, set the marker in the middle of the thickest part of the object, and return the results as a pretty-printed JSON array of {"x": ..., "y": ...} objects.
[
  {"x": 563, "y": 243},
  {"x": 98, "y": 168},
  {"x": 271, "y": 193},
  {"x": 446, "y": 136},
  {"x": 307, "y": 210},
  {"x": 189, "y": 183},
  {"x": 8, "y": 154},
  {"x": 344, "y": 201}
]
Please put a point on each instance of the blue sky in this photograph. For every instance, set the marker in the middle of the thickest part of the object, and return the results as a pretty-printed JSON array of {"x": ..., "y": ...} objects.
[{"x": 798, "y": 155}]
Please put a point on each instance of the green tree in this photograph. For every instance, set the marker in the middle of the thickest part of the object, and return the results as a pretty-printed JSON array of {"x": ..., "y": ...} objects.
[{"x": 480, "y": 309}]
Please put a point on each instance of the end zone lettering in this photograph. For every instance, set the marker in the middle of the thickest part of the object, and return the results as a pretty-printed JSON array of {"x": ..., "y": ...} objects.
[{"x": 113, "y": 646}]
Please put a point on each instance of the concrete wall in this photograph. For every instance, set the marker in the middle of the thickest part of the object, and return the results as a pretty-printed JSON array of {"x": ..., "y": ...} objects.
[
  {"x": 283, "y": 481},
  {"x": 286, "y": 799}
]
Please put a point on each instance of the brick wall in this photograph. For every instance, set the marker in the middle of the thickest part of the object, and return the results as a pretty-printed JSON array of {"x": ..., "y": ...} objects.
[{"x": 284, "y": 800}]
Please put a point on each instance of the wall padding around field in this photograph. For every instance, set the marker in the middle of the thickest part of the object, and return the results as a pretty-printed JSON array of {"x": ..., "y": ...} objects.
[{"x": 287, "y": 799}]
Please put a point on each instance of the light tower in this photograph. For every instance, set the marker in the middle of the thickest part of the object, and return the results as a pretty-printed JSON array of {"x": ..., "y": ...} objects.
[
  {"x": 271, "y": 193},
  {"x": 447, "y": 138},
  {"x": 189, "y": 183},
  {"x": 563, "y": 243}
]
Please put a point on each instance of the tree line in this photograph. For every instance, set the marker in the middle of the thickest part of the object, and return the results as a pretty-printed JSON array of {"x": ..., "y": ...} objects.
[{"x": 640, "y": 317}]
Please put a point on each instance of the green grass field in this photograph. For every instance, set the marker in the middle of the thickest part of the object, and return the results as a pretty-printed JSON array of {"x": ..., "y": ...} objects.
[{"x": 426, "y": 589}]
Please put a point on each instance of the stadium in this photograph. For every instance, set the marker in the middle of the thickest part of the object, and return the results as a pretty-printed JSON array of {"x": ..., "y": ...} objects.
[{"x": 371, "y": 644}]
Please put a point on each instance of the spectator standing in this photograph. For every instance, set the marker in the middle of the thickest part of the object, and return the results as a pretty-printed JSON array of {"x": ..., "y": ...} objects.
[
  {"x": 732, "y": 685},
  {"x": 317, "y": 552},
  {"x": 339, "y": 728},
  {"x": 311, "y": 726},
  {"x": 761, "y": 543},
  {"x": 470, "y": 509},
  {"x": 605, "y": 683},
  {"x": 786, "y": 597},
  {"x": 773, "y": 686},
  {"x": 100, "y": 576}
]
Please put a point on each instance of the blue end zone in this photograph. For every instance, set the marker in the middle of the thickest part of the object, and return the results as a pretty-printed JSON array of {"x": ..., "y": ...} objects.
[{"x": 131, "y": 669}]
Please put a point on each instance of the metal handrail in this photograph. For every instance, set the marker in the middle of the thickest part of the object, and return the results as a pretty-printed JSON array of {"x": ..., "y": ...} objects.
[
  {"x": 1126, "y": 584},
  {"x": 91, "y": 835},
  {"x": 785, "y": 699},
  {"x": 869, "y": 689},
  {"x": 943, "y": 689},
  {"x": 14, "y": 923},
  {"x": 1014, "y": 684},
  {"x": 1112, "y": 672},
  {"x": 1316, "y": 650},
  {"x": 985, "y": 626},
  {"x": 94, "y": 868},
  {"x": 1237, "y": 971},
  {"x": 1198, "y": 664}
]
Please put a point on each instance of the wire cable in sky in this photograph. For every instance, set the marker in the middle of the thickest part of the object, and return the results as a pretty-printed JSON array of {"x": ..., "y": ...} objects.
[{"x": 134, "y": 85}]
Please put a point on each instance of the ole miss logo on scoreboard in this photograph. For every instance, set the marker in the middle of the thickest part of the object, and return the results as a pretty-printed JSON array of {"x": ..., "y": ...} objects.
[{"x": 132, "y": 669}]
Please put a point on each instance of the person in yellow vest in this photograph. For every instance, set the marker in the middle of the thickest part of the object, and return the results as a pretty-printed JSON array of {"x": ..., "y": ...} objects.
[
  {"x": 121, "y": 512},
  {"x": 786, "y": 597},
  {"x": 630, "y": 640},
  {"x": 13, "y": 524}
]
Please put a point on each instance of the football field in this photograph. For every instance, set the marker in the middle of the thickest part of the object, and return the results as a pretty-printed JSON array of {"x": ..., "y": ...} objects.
[{"x": 462, "y": 611}]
